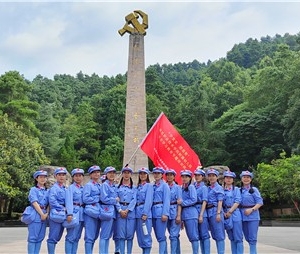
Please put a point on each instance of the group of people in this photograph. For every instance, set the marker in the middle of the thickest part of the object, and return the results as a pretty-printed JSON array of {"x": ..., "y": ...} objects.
[{"x": 107, "y": 210}]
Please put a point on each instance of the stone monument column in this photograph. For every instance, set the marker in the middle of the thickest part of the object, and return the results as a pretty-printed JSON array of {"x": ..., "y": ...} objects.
[{"x": 135, "y": 118}]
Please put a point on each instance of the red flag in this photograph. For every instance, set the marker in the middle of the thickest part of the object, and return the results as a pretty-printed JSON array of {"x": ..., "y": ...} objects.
[{"x": 168, "y": 149}]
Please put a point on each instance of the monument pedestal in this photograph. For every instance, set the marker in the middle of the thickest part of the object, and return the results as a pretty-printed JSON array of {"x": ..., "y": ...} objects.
[{"x": 135, "y": 118}]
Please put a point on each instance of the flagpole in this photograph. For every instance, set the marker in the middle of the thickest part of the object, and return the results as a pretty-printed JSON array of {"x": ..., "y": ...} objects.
[
  {"x": 132, "y": 155},
  {"x": 158, "y": 118},
  {"x": 161, "y": 114}
]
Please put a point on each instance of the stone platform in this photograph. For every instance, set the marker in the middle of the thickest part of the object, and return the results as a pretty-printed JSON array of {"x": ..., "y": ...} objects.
[{"x": 273, "y": 240}]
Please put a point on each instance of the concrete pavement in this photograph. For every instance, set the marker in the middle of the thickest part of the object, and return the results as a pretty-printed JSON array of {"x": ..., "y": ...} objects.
[{"x": 273, "y": 240}]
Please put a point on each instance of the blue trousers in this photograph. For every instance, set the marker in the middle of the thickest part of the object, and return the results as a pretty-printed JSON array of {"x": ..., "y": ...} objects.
[
  {"x": 191, "y": 228},
  {"x": 55, "y": 232},
  {"x": 250, "y": 230},
  {"x": 93, "y": 226},
  {"x": 144, "y": 241},
  {"x": 36, "y": 231}
]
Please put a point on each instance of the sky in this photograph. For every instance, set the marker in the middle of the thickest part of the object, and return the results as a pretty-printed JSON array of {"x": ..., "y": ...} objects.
[{"x": 49, "y": 38}]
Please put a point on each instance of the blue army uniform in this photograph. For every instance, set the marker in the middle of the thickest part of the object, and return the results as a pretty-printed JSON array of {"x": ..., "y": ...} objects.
[
  {"x": 235, "y": 234},
  {"x": 74, "y": 234},
  {"x": 160, "y": 206},
  {"x": 216, "y": 194},
  {"x": 58, "y": 200},
  {"x": 144, "y": 200},
  {"x": 203, "y": 228},
  {"x": 189, "y": 214},
  {"x": 91, "y": 196},
  {"x": 251, "y": 221},
  {"x": 108, "y": 200},
  {"x": 172, "y": 226},
  {"x": 125, "y": 227},
  {"x": 37, "y": 229}
]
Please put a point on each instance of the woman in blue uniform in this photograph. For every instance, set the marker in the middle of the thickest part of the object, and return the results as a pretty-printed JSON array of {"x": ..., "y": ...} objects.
[
  {"x": 143, "y": 214},
  {"x": 39, "y": 199},
  {"x": 203, "y": 227},
  {"x": 251, "y": 202},
  {"x": 108, "y": 200},
  {"x": 215, "y": 210},
  {"x": 174, "y": 221},
  {"x": 91, "y": 197},
  {"x": 189, "y": 214},
  {"x": 125, "y": 222},
  {"x": 160, "y": 208},
  {"x": 232, "y": 214},
  {"x": 75, "y": 191},
  {"x": 59, "y": 201}
]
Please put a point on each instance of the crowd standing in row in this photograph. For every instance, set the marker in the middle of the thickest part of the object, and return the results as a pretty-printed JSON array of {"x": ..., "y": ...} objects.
[{"x": 109, "y": 210}]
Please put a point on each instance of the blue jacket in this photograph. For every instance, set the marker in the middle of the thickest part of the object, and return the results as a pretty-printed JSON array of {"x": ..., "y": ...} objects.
[
  {"x": 59, "y": 200},
  {"x": 161, "y": 199},
  {"x": 189, "y": 199},
  {"x": 76, "y": 192},
  {"x": 176, "y": 194},
  {"x": 232, "y": 196},
  {"x": 127, "y": 197},
  {"x": 249, "y": 200},
  {"x": 91, "y": 193},
  {"x": 41, "y": 196},
  {"x": 144, "y": 200},
  {"x": 202, "y": 193},
  {"x": 108, "y": 196}
]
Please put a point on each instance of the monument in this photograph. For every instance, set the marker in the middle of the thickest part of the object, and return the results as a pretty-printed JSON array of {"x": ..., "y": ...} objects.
[{"x": 135, "y": 117}]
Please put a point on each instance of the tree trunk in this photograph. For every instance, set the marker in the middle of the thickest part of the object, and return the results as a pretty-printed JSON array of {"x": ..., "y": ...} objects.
[
  {"x": 10, "y": 207},
  {"x": 296, "y": 205}
]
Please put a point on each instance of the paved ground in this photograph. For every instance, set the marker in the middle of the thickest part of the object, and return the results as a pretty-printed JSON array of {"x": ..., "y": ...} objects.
[{"x": 273, "y": 240}]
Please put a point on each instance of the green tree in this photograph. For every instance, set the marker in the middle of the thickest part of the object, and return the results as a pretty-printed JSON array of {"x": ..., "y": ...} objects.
[
  {"x": 49, "y": 125},
  {"x": 291, "y": 122},
  {"x": 15, "y": 102},
  {"x": 67, "y": 155},
  {"x": 20, "y": 156},
  {"x": 273, "y": 180},
  {"x": 251, "y": 137},
  {"x": 112, "y": 155}
]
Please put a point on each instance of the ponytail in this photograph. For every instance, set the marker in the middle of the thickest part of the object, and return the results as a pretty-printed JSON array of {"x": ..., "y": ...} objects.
[
  {"x": 251, "y": 190},
  {"x": 131, "y": 182},
  {"x": 187, "y": 187},
  {"x": 121, "y": 182}
]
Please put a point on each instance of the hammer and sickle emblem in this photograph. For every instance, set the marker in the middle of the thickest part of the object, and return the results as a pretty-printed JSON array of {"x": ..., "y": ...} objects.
[{"x": 133, "y": 26}]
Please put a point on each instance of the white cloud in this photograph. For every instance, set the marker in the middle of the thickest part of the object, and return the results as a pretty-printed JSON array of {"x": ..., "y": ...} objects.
[
  {"x": 40, "y": 35},
  {"x": 64, "y": 38}
]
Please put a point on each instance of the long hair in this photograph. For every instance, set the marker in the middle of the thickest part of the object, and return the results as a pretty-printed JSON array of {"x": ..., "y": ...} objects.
[
  {"x": 233, "y": 184},
  {"x": 251, "y": 190},
  {"x": 36, "y": 184},
  {"x": 208, "y": 182},
  {"x": 121, "y": 182},
  {"x": 147, "y": 180},
  {"x": 187, "y": 186}
]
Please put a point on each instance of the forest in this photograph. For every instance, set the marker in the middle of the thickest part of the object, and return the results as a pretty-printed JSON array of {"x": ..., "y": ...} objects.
[{"x": 242, "y": 111}]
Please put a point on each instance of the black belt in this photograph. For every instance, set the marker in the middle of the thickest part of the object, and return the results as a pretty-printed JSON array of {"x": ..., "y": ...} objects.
[
  {"x": 78, "y": 204},
  {"x": 199, "y": 203},
  {"x": 141, "y": 203},
  {"x": 209, "y": 206},
  {"x": 246, "y": 206},
  {"x": 124, "y": 203},
  {"x": 173, "y": 203},
  {"x": 188, "y": 206},
  {"x": 157, "y": 203}
]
